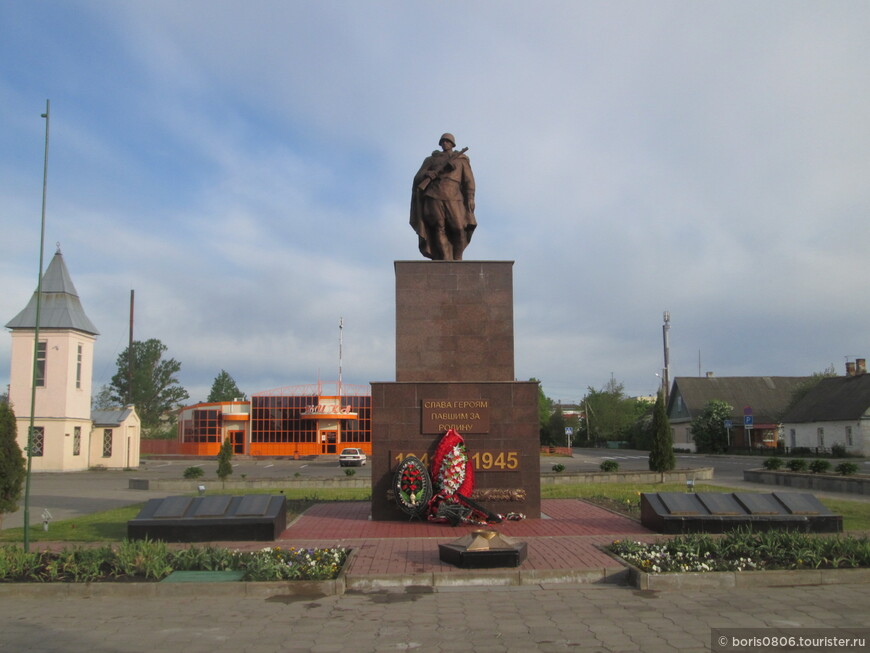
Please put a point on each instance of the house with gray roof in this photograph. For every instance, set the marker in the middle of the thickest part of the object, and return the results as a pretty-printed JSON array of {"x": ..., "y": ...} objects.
[
  {"x": 765, "y": 398},
  {"x": 836, "y": 411}
]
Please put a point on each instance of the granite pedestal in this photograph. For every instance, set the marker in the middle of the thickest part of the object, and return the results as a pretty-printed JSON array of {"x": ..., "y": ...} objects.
[{"x": 455, "y": 369}]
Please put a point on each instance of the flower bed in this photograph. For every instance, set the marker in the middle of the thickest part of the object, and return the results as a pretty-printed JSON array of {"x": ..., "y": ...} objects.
[
  {"x": 151, "y": 561},
  {"x": 745, "y": 551}
]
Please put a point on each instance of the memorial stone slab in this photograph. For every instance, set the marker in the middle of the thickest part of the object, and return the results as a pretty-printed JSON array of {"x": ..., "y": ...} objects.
[
  {"x": 678, "y": 503},
  {"x": 211, "y": 518},
  {"x": 760, "y": 504},
  {"x": 173, "y": 507},
  {"x": 253, "y": 504},
  {"x": 671, "y": 512},
  {"x": 720, "y": 504},
  {"x": 798, "y": 503},
  {"x": 215, "y": 505}
]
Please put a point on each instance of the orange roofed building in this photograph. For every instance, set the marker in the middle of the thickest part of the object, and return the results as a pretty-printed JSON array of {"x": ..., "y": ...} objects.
[{"x": 307, "y": 420}]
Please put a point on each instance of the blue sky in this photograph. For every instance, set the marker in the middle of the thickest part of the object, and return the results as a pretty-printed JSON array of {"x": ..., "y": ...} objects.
[{"x": 246, "y": 168}]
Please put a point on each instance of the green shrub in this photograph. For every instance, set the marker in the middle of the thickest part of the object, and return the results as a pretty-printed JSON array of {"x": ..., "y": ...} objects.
[
  {"x": 148, "y": 559},
  {"x": 151, "y": 560},
  {"x": 818, "y": 466},
  {"x": 193, "y": 472},
  {"x": 797, "y": 465},
  {"x": 609, "y": 466},
  {"x": 846, "y": 469},
  {"x": 558, "y": 468},
  {"x": 838, "y": 450},
  {"x": 349, "y": 472},
  {"x": 773, "y": 463}
]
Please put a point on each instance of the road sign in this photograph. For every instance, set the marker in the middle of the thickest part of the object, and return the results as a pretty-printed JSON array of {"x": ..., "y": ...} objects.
[
  {"x": 728, "y": 423},
  {"x": 569, "y": 430},
  {"x": 747, "y": 421}
]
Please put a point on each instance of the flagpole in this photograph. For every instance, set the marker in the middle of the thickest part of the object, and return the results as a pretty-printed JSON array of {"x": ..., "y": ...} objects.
[{"x": 30, "y": 429}]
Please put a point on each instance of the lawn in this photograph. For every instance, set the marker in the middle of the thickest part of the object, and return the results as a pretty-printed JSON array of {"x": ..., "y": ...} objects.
[{"x": 111, "y": 525}]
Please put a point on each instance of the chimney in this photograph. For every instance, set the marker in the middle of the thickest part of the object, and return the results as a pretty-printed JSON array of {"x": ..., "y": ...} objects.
[
  {"x": 850, "y": 369},
  {"x": 860, "y": 366}
]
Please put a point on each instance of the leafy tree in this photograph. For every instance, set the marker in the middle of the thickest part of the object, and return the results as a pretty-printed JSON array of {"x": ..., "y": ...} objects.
[
  {"x": 103, "y": 399},
  {"x": 708, "y": 428},
  {"x": 155, "y": 390},
  {"x": 545, "y": 408},
  {"x": 556, "y": 427},
  {"x": 803, "y": 389},
  {"x": 224, "y": 388},
  {"x": 661, "y": 455},
  {"x": 12, "y": 464},
  {"x": 609, "y": 413},
  {"x": 225, "y": 456}
]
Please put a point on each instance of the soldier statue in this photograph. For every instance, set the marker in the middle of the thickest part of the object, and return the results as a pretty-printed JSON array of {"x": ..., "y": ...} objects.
[{"x": 442, "y": 203}]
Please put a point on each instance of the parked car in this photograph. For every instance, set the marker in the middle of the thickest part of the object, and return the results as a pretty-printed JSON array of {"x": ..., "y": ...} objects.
[{"x": 351, "y": 458}]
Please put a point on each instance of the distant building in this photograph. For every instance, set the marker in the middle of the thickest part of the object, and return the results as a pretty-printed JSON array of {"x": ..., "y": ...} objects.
[
  {"x": 292, "y": 421},
  {"x": 67, "y": 437},
  {"x": 834, "y": 412},
  {"x": 765, "y": 397}
]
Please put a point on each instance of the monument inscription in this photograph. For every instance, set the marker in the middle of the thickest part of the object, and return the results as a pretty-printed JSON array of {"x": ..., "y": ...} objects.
[
  {"x": 462, "y": 415},
  {"x": 483, "y": 461}
]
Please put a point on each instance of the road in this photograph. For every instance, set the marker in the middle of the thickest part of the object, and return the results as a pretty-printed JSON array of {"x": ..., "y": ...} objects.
[{"x": 72, "y": 494}]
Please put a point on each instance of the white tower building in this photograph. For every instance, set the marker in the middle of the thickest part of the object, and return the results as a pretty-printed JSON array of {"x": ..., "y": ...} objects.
[{"x": 64, "y": 434}]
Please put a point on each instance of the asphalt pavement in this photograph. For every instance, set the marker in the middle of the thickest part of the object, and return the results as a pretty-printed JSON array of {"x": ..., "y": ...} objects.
[{"x": 530, "y": 619}]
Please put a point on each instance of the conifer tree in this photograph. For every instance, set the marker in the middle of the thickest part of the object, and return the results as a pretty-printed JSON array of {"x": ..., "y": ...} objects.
[
  {"x": 12, "y": 464},
  {"x": 225, "y": 467},
  {"x": 661, "y": 455}
]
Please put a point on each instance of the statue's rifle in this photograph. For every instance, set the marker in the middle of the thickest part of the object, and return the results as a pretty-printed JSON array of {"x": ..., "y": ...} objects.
[{"x": 447, "y": 166}]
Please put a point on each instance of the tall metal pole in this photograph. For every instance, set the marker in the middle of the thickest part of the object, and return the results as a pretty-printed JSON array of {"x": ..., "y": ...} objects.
[
  {"x": 340, "y": 345},
  {"x": 30, "y": 429},
  {"x": 130, "y": 352},
  {"x": 666, "y": 374}
]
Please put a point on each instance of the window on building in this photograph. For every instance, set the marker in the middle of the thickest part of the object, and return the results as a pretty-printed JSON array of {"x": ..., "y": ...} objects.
[
  {"x": 37, "y": 441},
  {"x": 79, "y": 368},
  {"x": 792, "y": 438},
  {"x": 206, "y": 426},
  {"x": 77, "y": 441},
  {"x": 107, "y": 443},
  {"x": 849, "y": 436},
  {"x": 820, "y": 432},
  {"x": 41, "y": 349}
]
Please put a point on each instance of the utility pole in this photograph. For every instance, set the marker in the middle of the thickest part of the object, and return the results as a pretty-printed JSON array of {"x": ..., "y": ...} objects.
[
  {"x": 130, "y": 352},
  {"x": 666, "y": 372},
  {"x": 340, "y": 346}
]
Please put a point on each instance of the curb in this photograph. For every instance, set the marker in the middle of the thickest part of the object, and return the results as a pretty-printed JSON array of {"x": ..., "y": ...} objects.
[{"x": 163, "y": 590}]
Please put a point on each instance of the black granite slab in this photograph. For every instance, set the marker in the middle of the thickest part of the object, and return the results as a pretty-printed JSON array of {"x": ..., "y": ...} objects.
[
  {"x": 673, "y": 512},
  {"x": 213, "y": 518}
]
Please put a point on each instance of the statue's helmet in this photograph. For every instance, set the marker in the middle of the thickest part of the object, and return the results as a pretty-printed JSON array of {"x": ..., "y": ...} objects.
[{"x": 447, "y": 137}]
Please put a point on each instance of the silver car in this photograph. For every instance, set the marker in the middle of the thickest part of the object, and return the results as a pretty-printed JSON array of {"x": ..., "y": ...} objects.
[{"x": 351, "y": 458}]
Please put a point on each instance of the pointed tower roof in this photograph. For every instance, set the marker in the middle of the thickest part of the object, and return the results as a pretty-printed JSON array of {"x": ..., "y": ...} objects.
[{"x": 60, "y": 307}]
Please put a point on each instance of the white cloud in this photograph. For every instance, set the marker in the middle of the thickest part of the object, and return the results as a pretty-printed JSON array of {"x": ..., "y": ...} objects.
[{"x": 246, "y": 168}]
